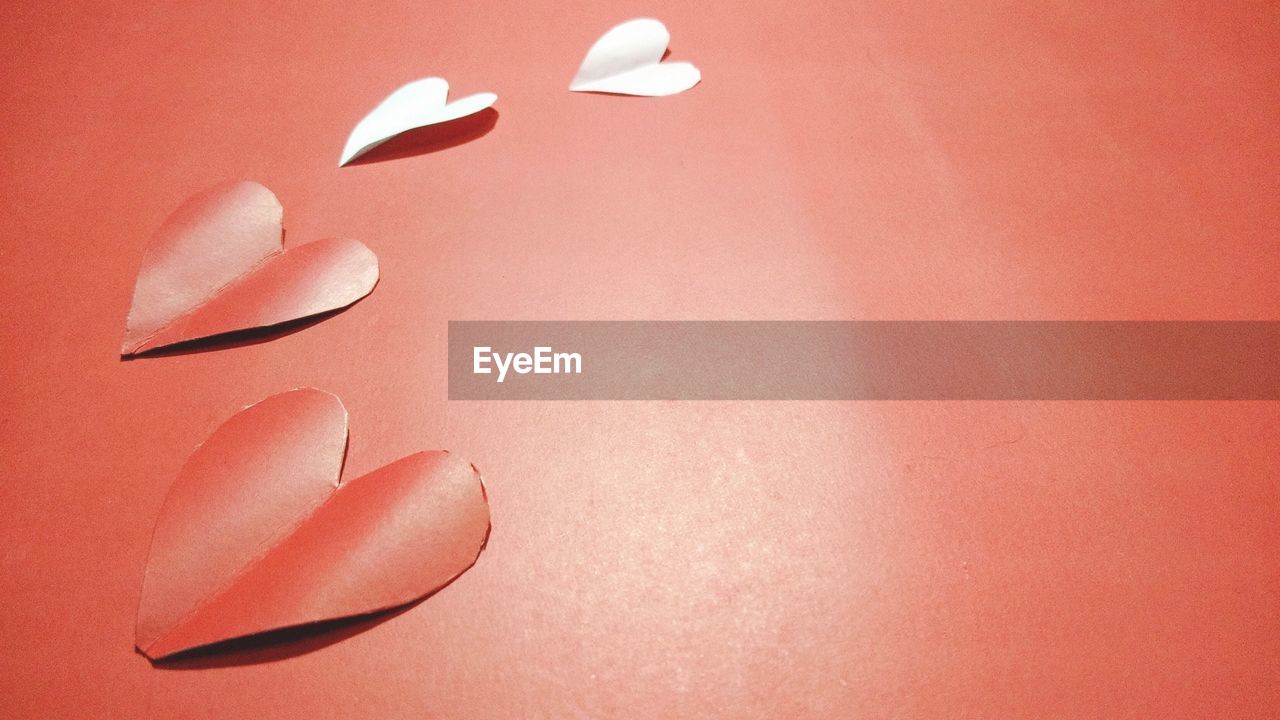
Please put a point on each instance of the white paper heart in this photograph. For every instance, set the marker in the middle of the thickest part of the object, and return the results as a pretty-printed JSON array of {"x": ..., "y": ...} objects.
[
  {"x": 627, "y": 60},
  {"x": 418, "y": 104}
]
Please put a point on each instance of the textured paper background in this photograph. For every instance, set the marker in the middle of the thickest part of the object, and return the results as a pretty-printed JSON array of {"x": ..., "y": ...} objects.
[{"x": 719, "y": 560}]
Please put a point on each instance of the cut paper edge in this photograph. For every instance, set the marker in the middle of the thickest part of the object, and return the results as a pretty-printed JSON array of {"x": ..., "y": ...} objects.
[
  {"x": 218, "y": 266},
  {"x": 624, "y": 83},
  {"x": 289, "y": 286},
  {"x": 415, "y": 105},
  {"x": 298, "y": 440},
  {"x": 386, "y": 539},
  {"x": 189, "y": 258},
  {"x": 629, "y": 55},
  {"x": 627, "y": 46}
]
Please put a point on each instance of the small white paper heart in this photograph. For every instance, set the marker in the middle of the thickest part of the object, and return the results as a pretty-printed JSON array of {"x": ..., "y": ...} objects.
[
  {"x": 418, "y": 104},
  {"x": 627, "y": 60}
]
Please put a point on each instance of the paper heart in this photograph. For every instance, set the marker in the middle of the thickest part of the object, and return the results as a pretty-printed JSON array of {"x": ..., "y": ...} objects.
[
  {"x": 218, "y": 265},
  {"x": 418, "y": 104},
  {"x": 257, "y": 534},
  {"x": 627, "y": 60}
]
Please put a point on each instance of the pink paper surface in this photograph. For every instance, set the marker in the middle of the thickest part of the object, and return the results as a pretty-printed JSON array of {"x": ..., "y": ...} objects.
[{"x": 872, "y": 160}]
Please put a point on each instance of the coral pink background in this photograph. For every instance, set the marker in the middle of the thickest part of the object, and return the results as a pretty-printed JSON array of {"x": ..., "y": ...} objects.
[{"x": 880, "y": 160}]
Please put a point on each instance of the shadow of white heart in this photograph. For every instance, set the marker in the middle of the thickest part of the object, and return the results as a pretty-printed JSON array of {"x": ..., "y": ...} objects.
[
  {"x": 416, "y": 105},
  {"x": 627, "y": 60}
]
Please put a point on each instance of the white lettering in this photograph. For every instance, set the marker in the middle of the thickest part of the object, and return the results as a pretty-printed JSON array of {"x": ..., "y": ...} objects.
[
  {"x": 543, "y": 361},
  {"x": 502, "y": 366},
  {"x": 571, "y": 360}
]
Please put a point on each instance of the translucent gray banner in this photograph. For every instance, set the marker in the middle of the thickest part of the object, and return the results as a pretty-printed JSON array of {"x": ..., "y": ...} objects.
[{"x": 858, "y": 360}]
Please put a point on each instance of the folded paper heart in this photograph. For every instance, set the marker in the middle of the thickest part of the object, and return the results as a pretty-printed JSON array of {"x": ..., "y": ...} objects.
[
  {"x": 257, "y": 533},
  {"x": 219, "y": 265},
  {"x": 627, "y": 60},
  {"x": 418, "y": 104}
]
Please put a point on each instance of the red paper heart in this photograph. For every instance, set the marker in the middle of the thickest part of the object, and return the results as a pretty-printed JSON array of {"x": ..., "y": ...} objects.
[
  {"x": 257, "y": 534},
  {"x": 219, "y": 265}
]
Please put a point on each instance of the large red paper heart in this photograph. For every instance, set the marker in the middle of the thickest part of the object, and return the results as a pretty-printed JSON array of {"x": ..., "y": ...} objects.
[
  {"x": 257, "y": 533},
  {"x": 219, "y": 265}
]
